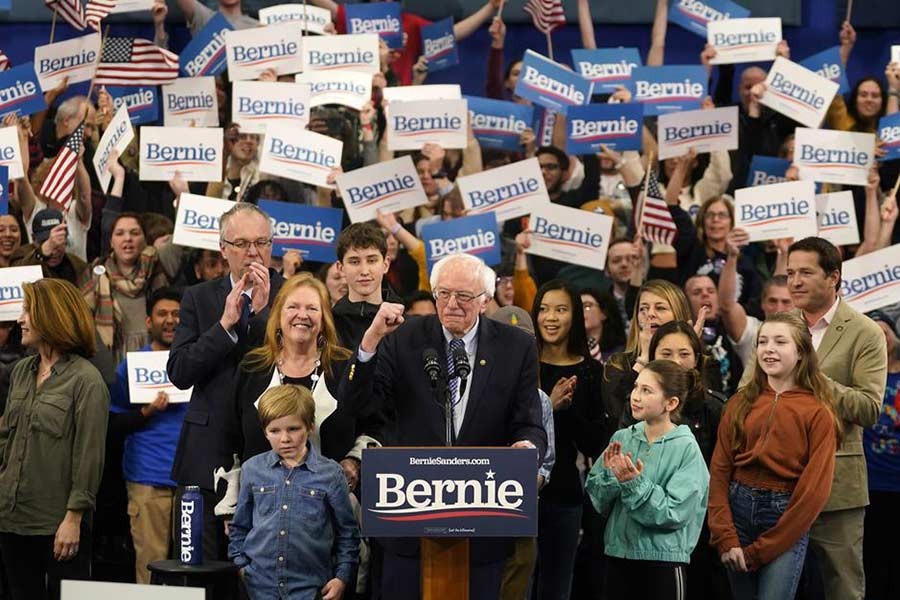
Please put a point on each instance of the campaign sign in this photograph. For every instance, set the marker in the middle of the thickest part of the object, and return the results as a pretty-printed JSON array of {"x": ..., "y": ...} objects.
[
  {"x": 766, "y": 170},
  {"x": 509, "y": 191},
  {"x": 780, "y": 210},
  {"x": 312, "y": 18},
  {"x": 252, "y": 51},
  {"x": 889, "y": 134},
  {"x": 76, "y": 59},
  {"x": 744, "y": 40},
  {"x": 837, "y": 218},
  {"x": 388, "y": 186},
  {"x": 11, "y": 295},
  {"x": 4, "y": 190},
  {"x": 439, "y": 45},
  {"x": 341, "y": 53},
  {"x": 197, "y": 221},
  {"x": 411, "y": 93},
  {"x": 895, "y": 54},
  {"x": 205, "y": 54},
  {"x": 382, "y": 18},
  {"x": 828, "y": 64},
  {"x": 668, "y": 89},
  {"x": 570, "y": 235},
  {"x": 497, "y": 123},
  {"x": 542, "y": 125},
  {"x": 550, "y": 84},
  {"x": 147, "y": 377},
  {"x": 702, "y": 130},
  {"x": 695, "y": 15},
  {"x": 607, "y": 68},
  {"x": 449, "y": 492},
  {"x": 476, "y": 235},
  {"x": 91, "y": 590},
  {"x": 20, "y": 91},
  {"x": 142, "y": 102},
  {"x": 258, "y": 106},
  {"x": 832, "y": 156},
  {"x": 349, "y": 88},
  {"x": 190, "y": 102},
  {"x": 117, "y": 136},
  {"x": 310, "y": 230},
  {"x": 193, "y": 152},
  {"x": 871, "y": 281},
  {"x": 299, "y": 154},
  {"x": 618, "y": 126},
  {"x": 797, "y": 92},
  {"x": 126, "y": 6},
  {"x": 10, "y": 153},
  {"x": 412, "y": 124}
]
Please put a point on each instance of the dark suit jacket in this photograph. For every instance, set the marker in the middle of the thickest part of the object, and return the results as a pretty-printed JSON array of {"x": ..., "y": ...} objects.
[
  {"x": 204, "y": 356},
  {"x": 503, "y": 405}
]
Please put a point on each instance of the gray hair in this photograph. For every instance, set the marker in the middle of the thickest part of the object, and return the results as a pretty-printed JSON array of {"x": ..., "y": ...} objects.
[
  {"x": 70, "y": 108},
  {"x": 241, "y": 208},
  {"x": 482, "y": 272}
]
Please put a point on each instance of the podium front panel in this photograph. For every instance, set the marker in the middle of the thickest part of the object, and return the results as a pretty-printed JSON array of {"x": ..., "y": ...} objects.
[{"x": 449, "y": 492}]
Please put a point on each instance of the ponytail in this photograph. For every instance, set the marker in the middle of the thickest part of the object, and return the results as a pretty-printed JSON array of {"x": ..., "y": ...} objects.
[{"x": 675, "y": 381}]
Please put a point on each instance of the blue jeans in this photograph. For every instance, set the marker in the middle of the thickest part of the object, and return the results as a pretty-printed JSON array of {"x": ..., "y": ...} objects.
[{"x": 755, "y": 511}]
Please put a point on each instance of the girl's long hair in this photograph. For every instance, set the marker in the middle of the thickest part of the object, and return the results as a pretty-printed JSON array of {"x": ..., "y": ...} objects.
[
  {"x": 576, "y": 342},
  {"x": 807, "y": 377}
]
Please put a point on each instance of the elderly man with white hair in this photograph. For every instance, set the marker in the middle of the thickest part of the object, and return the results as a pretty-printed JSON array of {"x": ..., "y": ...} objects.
[{"x": 499, "y": 406}]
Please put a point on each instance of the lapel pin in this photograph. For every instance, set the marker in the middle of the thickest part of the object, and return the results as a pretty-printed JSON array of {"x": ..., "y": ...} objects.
[{"x": 482, "y": 362}]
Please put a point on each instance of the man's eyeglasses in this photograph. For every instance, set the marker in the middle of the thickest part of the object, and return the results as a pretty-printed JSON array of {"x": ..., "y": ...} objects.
[
  {"x": 461, "y": 297},
  {"x": 261, "y": 243}
]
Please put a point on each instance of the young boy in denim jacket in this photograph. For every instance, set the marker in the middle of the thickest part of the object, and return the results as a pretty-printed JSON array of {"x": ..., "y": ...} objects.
[{"x": 293, "y": 513}]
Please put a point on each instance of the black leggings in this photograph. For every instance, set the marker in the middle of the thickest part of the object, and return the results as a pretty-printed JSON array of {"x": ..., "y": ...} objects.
[
  {"x": 650, "y": 580},
  {"x": 31, "y": 570}
]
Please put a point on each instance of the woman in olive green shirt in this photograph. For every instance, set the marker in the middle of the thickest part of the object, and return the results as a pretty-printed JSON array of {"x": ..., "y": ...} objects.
[{"x": 52, "y": 439}]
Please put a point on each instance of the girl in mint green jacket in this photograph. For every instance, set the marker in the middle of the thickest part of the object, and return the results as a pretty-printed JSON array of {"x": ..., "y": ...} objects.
[{"x": 653, "y": 483}]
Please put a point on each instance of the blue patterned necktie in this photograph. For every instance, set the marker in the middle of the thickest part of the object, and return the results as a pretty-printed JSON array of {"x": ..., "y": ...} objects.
[
  {"x": 453, "y": 379},
  {"x": 244, "y": 322}
]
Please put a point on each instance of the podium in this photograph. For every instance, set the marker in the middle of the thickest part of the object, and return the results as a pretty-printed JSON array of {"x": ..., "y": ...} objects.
[{"x": 445, "y": 496}]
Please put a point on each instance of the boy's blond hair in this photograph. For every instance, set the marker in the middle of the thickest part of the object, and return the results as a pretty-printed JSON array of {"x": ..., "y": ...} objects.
[{"x": 285, "y": 401}]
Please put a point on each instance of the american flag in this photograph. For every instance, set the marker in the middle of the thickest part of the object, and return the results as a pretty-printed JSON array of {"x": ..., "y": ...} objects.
[
  {"x": 4, "y": 61},
  {"x": 135, "y": 61},
  {"x": 60, "y": 180},
  {"x": 652, "y": 214},
  {"x": 70, "y": 10},
  {"x": 548, "y": 15},
  {"x": 96, "y": 11}
]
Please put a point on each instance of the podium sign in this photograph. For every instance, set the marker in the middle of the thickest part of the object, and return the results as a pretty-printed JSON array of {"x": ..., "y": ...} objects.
[{"x": 449, "y": 492}]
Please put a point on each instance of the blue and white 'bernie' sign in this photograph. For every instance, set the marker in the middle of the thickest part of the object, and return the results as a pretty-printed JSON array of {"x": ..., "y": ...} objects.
[
  {"x": 618, "y": 126},
  {"x": 828, "y": 64},
  {"x": 766, "y": 170},
  {"x": 607, "y": 68},
  {"x": 551, "y": 85},
  {"x": 889, "y": 134},
  {"x": 4, "y": 190},
  {"x": 20, "y": 91},
  {"x": 311, "y": 230},
  {"x": 497, "y": 123},
  {"x": 142, "y": 102},
  {"x": 205, "y": 54},
  {"x": 476, "y": 235},
  {"x": 693, "y": 15},
  {"x": 439, "y": 45},
  {"x": 668, "y": 89},
  {"x": 382, "y": 18}
]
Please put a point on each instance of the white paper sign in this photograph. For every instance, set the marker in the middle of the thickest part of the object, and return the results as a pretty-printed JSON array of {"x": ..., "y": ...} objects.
[
  {"x": 350, "y": 88},
  {"x": 117, "y": 136},
  {"x": 252, "y": 51},
  {"x": 743, "y": 40},
  {"x": 872, "y": 281},
  {"x": 313, "y": 18},
  {"x": 832, "y": 156},
  {"x": 895, "y": 54},
  {"x": 258, "y": 105},
  {"x": 703, "y": 130},
  {"x": 76, "y": 59},
  {"x": 387, "y": 187},
  {"x": 798, "y": 93},
  {"x": 11, "y": 294},
  {"x": 126, "y": 6},
  {"x": 410, "y": 93},
  {"x": 779, "y": 210},
  {"x": 301, "y": 155},
  {"x": 190, "y": 102},
  {"x": 342, "y": 53},
  {"x": 837, "y": 218},
  {"x": 510, "y": 191},
  {"x": 412, "y": 124},
  {"x": 571, "y": 235},
  {"x": 147, "y": 377},
  {"x": 197, "y": 221},
  {"x": 193, "y": 152},
  {"x": 10, "y": 154},
  {"x": 91, "y": 590}
]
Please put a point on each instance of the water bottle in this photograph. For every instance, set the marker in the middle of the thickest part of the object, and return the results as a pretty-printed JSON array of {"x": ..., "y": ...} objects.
[{"x": 191, "y": 526}]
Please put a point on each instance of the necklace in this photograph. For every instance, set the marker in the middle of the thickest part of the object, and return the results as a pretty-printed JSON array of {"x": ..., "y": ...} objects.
[{"x": 315, "y": 374}]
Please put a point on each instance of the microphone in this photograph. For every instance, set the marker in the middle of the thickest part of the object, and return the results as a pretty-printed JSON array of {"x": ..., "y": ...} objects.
[
  {"x": 462, "y": 368},
  {"x": 431, "y": 366}
]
